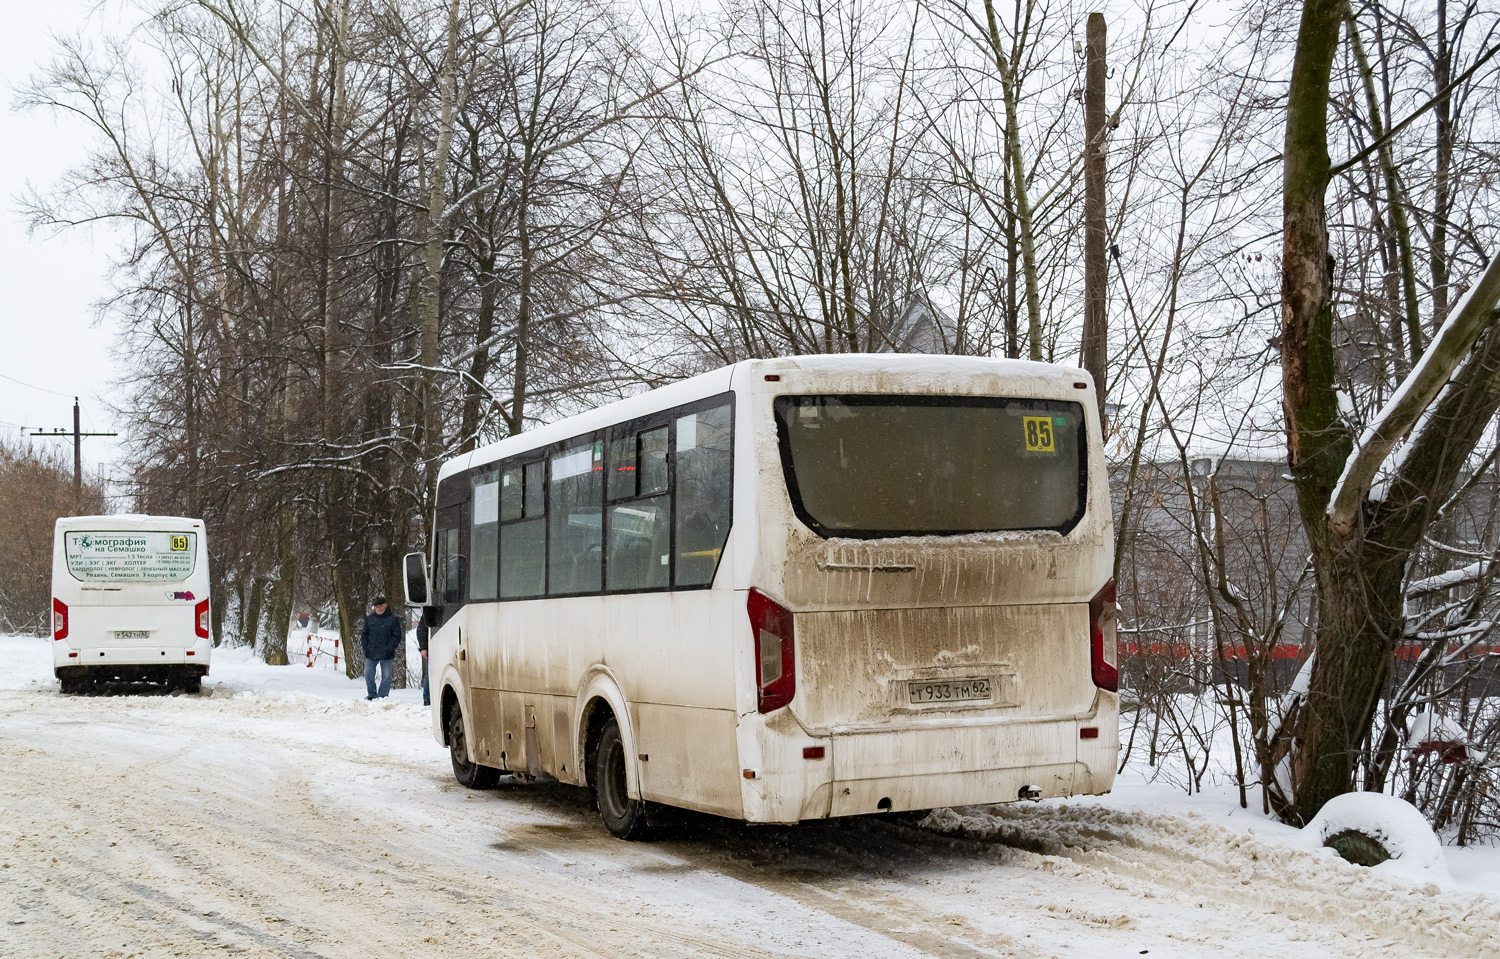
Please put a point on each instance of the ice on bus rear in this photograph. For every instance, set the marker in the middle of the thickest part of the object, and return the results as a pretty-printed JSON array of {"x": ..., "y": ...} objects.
[{"x": 130, "y": 600}]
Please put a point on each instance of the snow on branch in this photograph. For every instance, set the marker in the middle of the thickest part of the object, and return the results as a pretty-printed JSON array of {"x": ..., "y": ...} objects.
[
  {"x": 1454, "y": 577},
  {"x": 1473, "y": 314}
]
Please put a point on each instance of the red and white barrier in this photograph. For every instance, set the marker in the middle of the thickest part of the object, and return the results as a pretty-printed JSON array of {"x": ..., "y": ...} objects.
[{"x": 322, "y": 648}]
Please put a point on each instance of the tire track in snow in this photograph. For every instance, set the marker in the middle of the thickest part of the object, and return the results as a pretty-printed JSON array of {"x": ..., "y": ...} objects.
[
  {"x": 435, "y": 870},
  {"x": 1194, "y": 859},
  {"x": 278, "y": 869}
]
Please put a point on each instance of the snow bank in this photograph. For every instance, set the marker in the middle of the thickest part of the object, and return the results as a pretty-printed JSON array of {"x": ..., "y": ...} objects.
[{"x": 1416, "y": 853}]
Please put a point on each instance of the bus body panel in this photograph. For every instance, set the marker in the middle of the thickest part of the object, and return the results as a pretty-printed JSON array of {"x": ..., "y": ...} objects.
[
  {"x": 871, "y": 616},
  {"x": 113, "y": 626},
  {"x": 659, "y": 649},
  {"x": 857, "y": 664}
]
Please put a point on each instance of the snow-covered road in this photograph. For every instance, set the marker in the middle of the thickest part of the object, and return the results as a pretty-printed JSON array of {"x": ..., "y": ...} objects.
[{"x": 275, "y": 818}]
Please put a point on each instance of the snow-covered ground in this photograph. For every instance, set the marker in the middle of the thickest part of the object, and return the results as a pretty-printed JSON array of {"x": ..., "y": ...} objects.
[{"x": 280, "y": 814}]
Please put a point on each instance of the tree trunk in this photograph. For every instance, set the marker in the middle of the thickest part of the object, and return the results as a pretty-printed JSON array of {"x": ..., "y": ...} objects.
[
  {"x": 429, "y": 306},
  {"x": 1318, "y": 442},
  {"x": 1017, "y": 176},
  {"x": 1095, "y": 267}
]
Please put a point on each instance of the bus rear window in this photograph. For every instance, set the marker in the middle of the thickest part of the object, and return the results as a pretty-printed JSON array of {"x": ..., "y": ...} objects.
[
  {"x": 872, "y": 466},
  {"x": 130, "y": 557}
]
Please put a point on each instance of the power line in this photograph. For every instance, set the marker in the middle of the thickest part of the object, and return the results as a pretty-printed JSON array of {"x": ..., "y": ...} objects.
[
  {"x": 31, "y": 386},
  {"x": 78, "y": 436}
]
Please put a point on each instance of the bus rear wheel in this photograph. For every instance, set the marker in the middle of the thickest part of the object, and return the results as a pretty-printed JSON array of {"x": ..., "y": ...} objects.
[
  {"x": 470, "y": 774},
  {"x": 623, "y": 817}
]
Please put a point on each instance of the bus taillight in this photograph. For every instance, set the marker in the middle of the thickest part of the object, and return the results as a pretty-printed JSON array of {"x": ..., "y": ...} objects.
[
  {"x": 775, "y": 677},
  {"x": 59, "y": 619},
  {"x": 200, "y": 619},
  {"x": 1102, "y": 652}
]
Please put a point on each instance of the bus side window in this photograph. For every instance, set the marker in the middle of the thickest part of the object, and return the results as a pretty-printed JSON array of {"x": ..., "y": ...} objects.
[
  {"x": 484, "y": 537},
  {"x": 575, "y": 557},
  {"x": 639, "y": 528},
  {"x": 453, "y": 583},
  {"x": 704, "y": 468},
  {"x": 510, "y": 493},
  {"x": 654, "y": 461},
  {"x": 523, "y": 533}
]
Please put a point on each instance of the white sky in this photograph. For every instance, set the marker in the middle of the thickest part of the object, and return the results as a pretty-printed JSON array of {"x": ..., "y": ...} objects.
[{"x": 50, "y": 284}]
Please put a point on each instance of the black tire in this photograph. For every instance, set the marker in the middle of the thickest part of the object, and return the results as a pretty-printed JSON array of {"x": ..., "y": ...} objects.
[
  {"x": 73, "y": 685},
  {"x": 190, "y": 682},
  {"x": 469, "y": 774},
  {"x": 623, "y": 817}
]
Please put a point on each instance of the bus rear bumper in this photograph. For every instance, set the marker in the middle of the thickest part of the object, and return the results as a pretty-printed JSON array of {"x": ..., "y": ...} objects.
[
  {"x": 901, "y": 793},
  {"x": 114, "y": 658},
  {"x": 872, "y": 771}
]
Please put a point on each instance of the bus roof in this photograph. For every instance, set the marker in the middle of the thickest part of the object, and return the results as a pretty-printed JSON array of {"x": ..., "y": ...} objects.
[
  {"x": 128, "y": 521},
  {"x": 722, "y": 379}
]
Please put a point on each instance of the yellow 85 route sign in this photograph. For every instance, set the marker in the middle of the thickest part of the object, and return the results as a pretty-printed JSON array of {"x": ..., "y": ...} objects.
[
  {"x": 1038, "y": 434},
  {"x": 179, "y": 544}
]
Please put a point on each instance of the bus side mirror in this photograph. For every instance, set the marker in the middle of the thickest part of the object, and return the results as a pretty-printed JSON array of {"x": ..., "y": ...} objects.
[
  {"x": 432, "y": 616},
  {"x": 415, "y": 578}
]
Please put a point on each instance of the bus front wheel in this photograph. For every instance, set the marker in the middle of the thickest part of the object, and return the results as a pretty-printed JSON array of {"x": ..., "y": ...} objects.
[
  {"x": 623, "y": 817},
  {"x": 470, "y": 774}
]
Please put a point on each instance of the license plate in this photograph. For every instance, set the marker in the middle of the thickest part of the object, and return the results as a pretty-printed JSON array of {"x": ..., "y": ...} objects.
[
  {"x": 923, "y": 692},
  {"x": 132, "y": 634}
]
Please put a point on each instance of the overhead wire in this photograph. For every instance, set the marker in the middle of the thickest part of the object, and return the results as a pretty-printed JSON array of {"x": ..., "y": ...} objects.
[{"x": 32, "y": 386}]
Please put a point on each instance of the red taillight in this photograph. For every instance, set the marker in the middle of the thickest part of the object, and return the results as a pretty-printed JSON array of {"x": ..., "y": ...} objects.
[
  {"x": 771, "y": 624},
  {"x": 200, "y": 619},
  {"x": 1102, "y": 652},
  {"x": 59, "y": 619}
]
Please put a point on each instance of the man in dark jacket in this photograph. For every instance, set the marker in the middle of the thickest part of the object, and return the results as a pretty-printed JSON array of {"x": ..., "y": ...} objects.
[
  {"x": 380, "y": 638},
  {"x": 422, "y": 633}
]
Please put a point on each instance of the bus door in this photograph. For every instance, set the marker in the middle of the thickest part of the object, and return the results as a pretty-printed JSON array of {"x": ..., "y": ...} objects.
[{"x": 449, "y": 575}]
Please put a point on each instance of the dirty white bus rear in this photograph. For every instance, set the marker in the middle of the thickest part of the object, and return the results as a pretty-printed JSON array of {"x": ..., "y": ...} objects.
[
  {"x": 130, "y": 601},
  {"x": 788, "y": 589}
]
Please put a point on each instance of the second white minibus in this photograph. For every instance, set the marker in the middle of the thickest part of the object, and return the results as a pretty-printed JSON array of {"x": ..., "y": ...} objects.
[
  {"x": 787, "y": 589},
  {"x": 130, "y": 601}
]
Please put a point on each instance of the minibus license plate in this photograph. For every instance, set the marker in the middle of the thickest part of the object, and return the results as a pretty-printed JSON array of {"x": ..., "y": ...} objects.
[
  {"x": 923, "y": 692},
  {"x": 132, "y": 634}
]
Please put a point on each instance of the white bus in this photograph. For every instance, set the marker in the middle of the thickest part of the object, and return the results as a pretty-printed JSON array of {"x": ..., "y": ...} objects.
[
  {"x": 130, "y": 601},
  {"x": 787, "y": 589}
]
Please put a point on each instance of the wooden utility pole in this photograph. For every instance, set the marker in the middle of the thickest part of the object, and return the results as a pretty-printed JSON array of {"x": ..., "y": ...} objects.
[
  {"x": 1095, "y": 267},
  {"x": 78, "y": 436}
]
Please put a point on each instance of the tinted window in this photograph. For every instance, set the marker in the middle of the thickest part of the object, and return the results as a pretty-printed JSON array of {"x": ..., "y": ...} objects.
[
  {"x": 868, "y": 466},
  {"x": 639, "y": 543},
  {"x": 704, "y": 468},
  {"x": 484, "y": 537},
  {"x": 575, "y": 517},
  {"x": 510, "y": 494},
  {"x": 523, "y": 552},
  {"x": 128, "y": 556},
  {"x": 653, "y": 446},
  {"x": 452, "y": 567},
  {"x": 536, "y": 483}
]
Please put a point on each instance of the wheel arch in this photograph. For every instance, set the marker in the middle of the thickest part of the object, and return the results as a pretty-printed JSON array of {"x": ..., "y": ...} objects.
[
  {"x": 599, "y": 698},
  {"x": 452, "y": 696}
]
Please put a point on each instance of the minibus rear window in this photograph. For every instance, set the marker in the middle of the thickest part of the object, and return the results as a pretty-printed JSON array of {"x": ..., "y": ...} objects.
[
  {"x": 115, "y": 556},
  {"x": 872, "y": 466}
]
